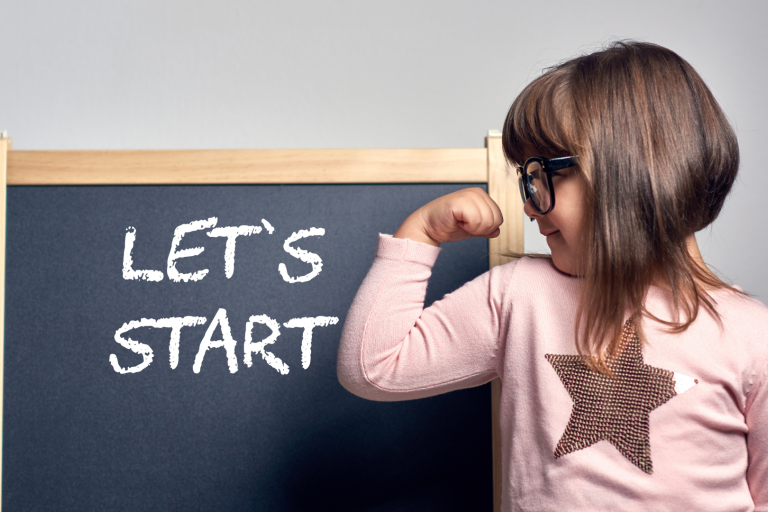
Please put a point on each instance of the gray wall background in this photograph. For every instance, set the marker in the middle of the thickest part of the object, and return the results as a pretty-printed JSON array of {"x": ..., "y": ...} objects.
[{"x": 140, "y": 74}]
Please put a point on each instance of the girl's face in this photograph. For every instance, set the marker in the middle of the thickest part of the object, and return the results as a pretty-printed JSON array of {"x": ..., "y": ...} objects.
[{"x": 563, "y": 225}]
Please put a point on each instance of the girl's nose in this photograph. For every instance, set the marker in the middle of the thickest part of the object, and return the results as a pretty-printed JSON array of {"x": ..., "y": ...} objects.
[{"x": 531, "y": 210}]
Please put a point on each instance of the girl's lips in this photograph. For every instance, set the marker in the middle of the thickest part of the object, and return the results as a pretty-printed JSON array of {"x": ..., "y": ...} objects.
[{"x": 550, "y": 232}]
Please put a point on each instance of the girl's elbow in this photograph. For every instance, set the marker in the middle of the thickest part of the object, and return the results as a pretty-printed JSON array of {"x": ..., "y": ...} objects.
[
  {"x": 353, "y": 379},
  {"x": 359, "y": 386}
]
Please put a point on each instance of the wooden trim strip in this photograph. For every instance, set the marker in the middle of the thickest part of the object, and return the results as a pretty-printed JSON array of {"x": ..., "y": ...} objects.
[
  {"x": 243, "y": 166},
  {"x": 5, "y": 146},
  {"x": 503, "y": 188}
]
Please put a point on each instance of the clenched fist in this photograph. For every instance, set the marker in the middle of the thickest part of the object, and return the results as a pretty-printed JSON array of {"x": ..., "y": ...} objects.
[{"x": 453, "y": 217}]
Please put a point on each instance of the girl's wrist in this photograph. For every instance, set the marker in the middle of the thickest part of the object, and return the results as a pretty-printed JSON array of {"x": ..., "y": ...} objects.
[{"x": 412, "y": 229}]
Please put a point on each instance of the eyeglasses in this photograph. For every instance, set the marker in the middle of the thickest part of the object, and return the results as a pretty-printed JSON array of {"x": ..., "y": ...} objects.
[{"x": 535, "y": 180}]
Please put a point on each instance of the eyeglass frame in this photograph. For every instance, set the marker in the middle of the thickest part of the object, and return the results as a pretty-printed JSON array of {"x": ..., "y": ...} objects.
[{"x": 549, "y": 166}]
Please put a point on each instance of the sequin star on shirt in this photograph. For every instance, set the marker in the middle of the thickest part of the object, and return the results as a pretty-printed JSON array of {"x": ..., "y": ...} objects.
[{"x": 615, "y": 408}]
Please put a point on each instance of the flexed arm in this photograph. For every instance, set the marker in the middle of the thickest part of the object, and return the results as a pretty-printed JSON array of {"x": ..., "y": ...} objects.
[{"x": 394, "y": 349}]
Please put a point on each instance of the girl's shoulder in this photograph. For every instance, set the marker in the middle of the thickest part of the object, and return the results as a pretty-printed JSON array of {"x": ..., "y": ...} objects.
[
  {"x": 536, "y": 267},
  {"x": 742, "y": 314},
  {"x": 744, "y": 327},
  {"x": 534, "y": 279},
  {"x": 737, "y": 333}
]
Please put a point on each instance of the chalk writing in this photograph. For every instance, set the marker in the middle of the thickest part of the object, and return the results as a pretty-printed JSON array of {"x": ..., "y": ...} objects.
[{"x": 220, "y": 319}]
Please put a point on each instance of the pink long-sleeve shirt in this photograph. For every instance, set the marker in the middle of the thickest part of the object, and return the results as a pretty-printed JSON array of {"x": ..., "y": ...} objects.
[{"x": 701, "y": 444}]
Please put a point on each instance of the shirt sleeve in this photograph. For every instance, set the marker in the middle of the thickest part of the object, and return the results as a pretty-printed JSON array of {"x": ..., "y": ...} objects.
[
  {"x": 394, "y": 349},
  {"x": 757, "y": 439}
]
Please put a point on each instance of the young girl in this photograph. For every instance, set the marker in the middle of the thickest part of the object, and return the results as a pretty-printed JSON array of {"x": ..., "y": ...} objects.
[{"x": 632, "y": 377}]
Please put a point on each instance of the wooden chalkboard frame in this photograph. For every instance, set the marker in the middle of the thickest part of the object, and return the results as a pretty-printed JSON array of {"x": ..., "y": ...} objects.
[
  {"x": 5, "y": 147},
  {"x": 275, "y": 166}
]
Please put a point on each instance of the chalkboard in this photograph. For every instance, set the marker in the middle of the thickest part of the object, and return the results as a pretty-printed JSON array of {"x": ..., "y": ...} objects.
[{"x": 136, "y": 373}]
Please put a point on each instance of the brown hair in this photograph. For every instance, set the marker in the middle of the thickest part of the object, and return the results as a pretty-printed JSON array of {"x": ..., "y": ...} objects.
[{"x": 659, "y": 158}]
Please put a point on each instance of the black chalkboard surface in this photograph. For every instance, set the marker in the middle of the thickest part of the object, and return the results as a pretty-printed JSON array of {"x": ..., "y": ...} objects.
[{"x": 79, "y": 435}]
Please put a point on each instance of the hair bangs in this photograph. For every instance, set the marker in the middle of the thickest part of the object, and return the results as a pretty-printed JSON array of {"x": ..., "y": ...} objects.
[{"x": 540, "y": 120}]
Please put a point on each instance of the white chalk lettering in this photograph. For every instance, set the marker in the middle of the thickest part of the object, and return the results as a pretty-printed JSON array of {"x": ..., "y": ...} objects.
[
  {"x": 232, "y": 232},
  {"x": 134, "y": 346},
  {"x": 228, "y": 342},
  {"x": 308, "y": 323},
  {"x": 175, "y": 254},
  {"x": 174, "y": 323},
  {"x": 305, "y": 256},
  {"x": 128, "y": 272},
  {"x": 220, "y": 321},
  {"x": 268, "y": 226},
  {"x": 258, "y": 347}
]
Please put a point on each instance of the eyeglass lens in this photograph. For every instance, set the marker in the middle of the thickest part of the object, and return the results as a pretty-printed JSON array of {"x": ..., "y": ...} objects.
[{"x": 538, "y": 185}]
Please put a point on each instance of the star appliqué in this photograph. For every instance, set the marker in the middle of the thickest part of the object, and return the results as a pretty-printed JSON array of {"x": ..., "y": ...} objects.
[{"x": 615, "y": 408}]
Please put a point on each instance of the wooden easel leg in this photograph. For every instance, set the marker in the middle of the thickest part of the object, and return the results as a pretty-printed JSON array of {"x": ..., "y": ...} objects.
[
  {"x": 5, "y": 146},
  {"x": 502, "y": 187}
]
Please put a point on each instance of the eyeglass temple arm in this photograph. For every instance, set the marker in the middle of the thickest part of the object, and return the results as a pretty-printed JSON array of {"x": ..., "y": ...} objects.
[{"x": 555, "y": 164}]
